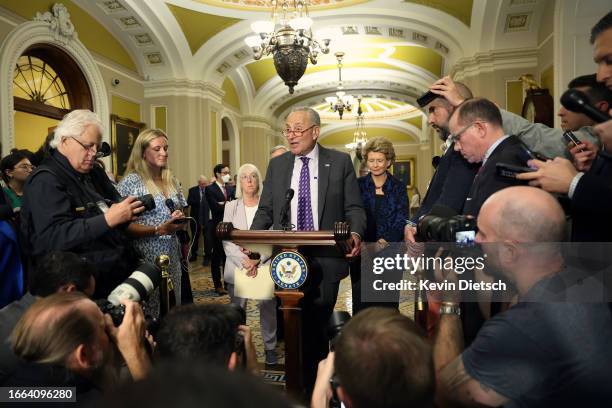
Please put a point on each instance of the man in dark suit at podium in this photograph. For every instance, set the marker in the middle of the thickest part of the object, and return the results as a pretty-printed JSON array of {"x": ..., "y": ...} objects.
[
  {"x": 217, "y": 195},
  {"x": 199, "y": 209},
  {"x": 326, "y": 191}
]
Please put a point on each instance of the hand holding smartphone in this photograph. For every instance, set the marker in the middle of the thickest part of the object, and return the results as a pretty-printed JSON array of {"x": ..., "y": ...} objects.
[
  {"x": 570, "y": 138},
  {"x": 510, "y": 170}
]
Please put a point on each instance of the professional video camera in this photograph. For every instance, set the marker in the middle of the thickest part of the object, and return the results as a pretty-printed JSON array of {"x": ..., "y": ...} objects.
[{"x": 137, "y": 287}]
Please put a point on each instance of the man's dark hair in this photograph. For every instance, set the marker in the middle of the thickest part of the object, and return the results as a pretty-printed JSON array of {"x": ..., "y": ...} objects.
[
  {"x": 206, "y": 332},
  {"x": 57, "y": 269},
  {"x": 382, "y": 359},
  {"x": 195, "y": 385},
  {"x": 596, "y": 91},
  {"x": 602, "y": 25},
  {"x": 219, "y": 168},
  {"x": 478, "y": 109}
]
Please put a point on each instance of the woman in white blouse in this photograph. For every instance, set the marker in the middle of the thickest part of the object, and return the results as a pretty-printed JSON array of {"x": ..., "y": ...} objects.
[{"x": 240, "y": 213}]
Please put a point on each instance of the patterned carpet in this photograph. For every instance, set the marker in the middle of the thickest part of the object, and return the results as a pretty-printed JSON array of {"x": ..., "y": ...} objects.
[{"x": 203, "y": 292}]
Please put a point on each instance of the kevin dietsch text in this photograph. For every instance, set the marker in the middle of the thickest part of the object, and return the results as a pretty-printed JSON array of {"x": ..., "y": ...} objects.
[{"x": 425, "y": 284}]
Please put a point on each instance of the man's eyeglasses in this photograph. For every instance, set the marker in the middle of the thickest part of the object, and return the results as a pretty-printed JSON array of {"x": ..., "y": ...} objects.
[
  {"x": 296, "y": 132},
  {"x": 91, "y": 148},
  {"x": 454, "y": 137}
]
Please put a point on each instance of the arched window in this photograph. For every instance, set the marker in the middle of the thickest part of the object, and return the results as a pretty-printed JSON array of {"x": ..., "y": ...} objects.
[{"x": 47, "y": 82}]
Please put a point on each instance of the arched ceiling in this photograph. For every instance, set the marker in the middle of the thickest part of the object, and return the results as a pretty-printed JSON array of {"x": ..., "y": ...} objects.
[{"x": 393, "y": 49}]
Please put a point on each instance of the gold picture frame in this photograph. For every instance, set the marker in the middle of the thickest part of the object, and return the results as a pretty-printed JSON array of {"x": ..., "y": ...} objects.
[{"x": 123, "y": 135}]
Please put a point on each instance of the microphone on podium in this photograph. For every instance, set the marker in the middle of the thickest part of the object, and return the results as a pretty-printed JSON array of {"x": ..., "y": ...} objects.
[{"x": 285, "y": 212}]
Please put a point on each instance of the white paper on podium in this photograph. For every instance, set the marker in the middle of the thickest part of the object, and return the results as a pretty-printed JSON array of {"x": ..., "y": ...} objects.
[{"x": 260, "y": 287}]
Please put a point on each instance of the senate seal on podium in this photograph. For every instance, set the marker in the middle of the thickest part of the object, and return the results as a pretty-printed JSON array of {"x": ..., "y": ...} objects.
[{"x": 289, "y": 270}]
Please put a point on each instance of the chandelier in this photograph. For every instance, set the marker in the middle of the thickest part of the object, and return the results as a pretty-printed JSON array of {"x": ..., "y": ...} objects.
[
  {"x": 341, "y": 101},
  {"x": 289, "y": 40},
  {"x": 360, "y": 136}
]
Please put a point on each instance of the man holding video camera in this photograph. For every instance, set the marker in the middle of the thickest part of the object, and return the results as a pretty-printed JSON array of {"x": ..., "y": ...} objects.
[{"x": 69, "y": 206}]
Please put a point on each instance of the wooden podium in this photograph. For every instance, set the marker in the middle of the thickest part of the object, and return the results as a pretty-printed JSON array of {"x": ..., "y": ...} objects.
[{"x": 289, "y": 241}]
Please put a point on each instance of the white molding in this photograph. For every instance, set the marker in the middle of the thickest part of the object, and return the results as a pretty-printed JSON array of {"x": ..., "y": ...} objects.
[
  {"x": 484, "y": 62},
  {"x": 547, "y": 39},
  {"x": 184, "y": 87},
  {"x": 43, "y": 32},
  {"x": 117, "y": 69},
  {"x": 258, "y": 122}
]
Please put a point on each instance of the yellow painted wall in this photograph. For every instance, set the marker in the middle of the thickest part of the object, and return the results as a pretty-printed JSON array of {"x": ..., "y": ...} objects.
[
  {"x": 460, "y": 9},
  {"x": 514, "y": 96},
  {"x": 160, "y": 118},
  {"x": 125, "y": 109},
  {"x": 31, "y": 130},
  {"x": 231, "y": 96},
  {"x": 91, "y": 33},
  {"x": 199, "y": 27},
  {"x": 547, "y": 80}
]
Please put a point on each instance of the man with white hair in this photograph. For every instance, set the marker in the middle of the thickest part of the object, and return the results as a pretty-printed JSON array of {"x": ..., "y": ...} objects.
[
  {"x": 277, "y": 151},
  {"x": 69, "y": 204}
]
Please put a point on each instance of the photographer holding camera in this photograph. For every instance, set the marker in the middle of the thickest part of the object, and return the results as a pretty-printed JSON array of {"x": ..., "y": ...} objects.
[
  {"x": 214, "y": 333},
  {"x": 381, "y": 359},
  {"x": 68, "y": 205},
  {"x": 64, "y": 340},
  {"x": 57, "y": 272}
]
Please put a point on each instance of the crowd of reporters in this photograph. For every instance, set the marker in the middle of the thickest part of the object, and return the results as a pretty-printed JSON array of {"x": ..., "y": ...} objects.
[{"x": 67, "y": 237}]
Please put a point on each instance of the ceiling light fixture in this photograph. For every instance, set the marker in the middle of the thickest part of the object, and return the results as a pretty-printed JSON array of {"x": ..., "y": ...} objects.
[
  {"x": 289, "y": 40},
  {"x": 341, "y": 102},
  {"x": 360, "y": 136}
]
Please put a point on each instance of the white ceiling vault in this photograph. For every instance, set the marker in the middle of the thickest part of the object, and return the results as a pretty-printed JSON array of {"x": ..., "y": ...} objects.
[{"x": 394, "y": 48}]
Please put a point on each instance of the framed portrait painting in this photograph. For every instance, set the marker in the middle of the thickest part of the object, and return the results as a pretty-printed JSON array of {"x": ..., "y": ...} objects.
[
  {"x": 404, "y": 171},
  {"x": 123, "y": 135}
]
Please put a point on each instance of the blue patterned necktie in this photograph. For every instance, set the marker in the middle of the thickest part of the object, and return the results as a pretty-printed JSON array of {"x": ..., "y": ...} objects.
[{"x": 304, "y": 213}]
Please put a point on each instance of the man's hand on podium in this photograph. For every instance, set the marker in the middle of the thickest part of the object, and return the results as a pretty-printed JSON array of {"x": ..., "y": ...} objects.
[{"x": 356, "y": 246}]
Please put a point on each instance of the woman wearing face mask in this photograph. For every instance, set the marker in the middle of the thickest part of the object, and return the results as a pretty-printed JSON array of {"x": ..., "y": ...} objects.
[
  {"x": 147, "y": 173},
  {"x": 15, "y": 168},
  {"x": 385, "y": 201}
]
